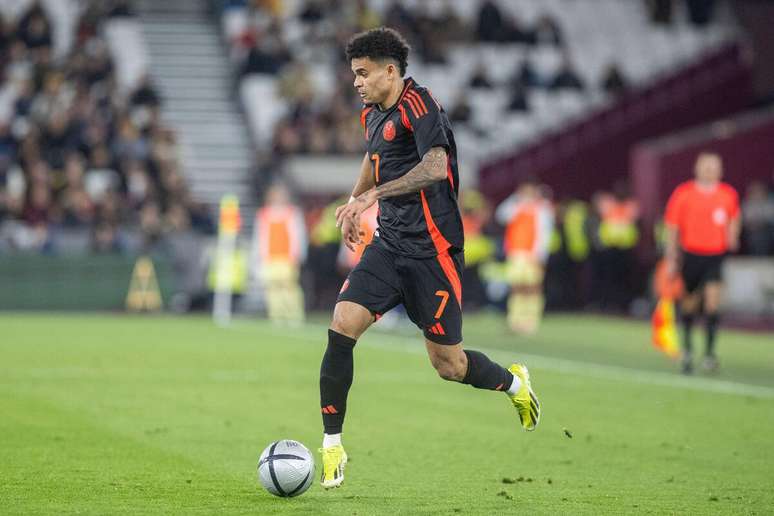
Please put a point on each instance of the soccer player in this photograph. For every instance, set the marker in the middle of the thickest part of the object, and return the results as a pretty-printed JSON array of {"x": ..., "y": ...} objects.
[
  {"x": 416, "y": 255},
  {"x": 702, "y": 221}
]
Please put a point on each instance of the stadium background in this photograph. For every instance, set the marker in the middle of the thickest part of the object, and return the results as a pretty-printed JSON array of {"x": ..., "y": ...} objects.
[{"x": 123, "y": 125}]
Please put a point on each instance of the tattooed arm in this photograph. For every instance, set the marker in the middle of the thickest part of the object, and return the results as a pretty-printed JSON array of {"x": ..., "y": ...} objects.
[{"x": 431, "y": 169}]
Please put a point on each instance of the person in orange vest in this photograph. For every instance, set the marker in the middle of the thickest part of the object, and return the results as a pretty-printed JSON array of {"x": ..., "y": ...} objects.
[
  {"x": 279, "y": 249},
  {"x": 528, "y": 219},
  {"x": 618, "y": 234},
  {"x": 702, "y": 223}
]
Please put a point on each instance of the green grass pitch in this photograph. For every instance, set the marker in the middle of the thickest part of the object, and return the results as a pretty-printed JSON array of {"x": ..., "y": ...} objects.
[{"x": 110, "y": 414}]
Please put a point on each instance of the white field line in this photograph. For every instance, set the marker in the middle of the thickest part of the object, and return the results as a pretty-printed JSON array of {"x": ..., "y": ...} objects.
[{"x": 315, "y": 333}]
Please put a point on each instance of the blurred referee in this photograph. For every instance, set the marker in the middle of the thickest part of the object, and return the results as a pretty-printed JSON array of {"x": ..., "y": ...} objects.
[{"x": 702, "y": 220}]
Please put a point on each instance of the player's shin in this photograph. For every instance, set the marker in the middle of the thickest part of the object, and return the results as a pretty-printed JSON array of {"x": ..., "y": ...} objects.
[
  {"x": 712, "y": 328},
  {"x": 336, "y": 372},
  {"x": 482, "y": 373}
]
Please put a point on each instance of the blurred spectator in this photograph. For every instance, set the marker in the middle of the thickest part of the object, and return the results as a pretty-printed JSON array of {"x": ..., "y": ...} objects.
[
  {"x": 145, "y": 94},
  {"x": 613, "y": 81},
  {"x": 268, "y": 53},
  {"x": 660, "y": 11},
  {"x": 526, "y": 76},
  {"x": 548, "y": 32},
  {"x": 34, "y": 29},
  {"x": 528, "y": 219},
  {"x": 106, "y": 239},
  {"x": 479, "y": 79},
  {"x": 279, "y": 249},
  {"x": 479, "y": 247},
  {"x": 364, "y": 17},
  {"x": 618, "y": 235},
  {"x": 69, "y": 154},
  {"x": 490, "y": 26},
  {"x": 518, "y": 100},
  {"x": 700, "y": 12},
  {"x": 566, "y": 77},
  {"x": 461, "y": 111},
  {"x": 758, "y": 220},
  {"x": 312, "y": 12},
  {"x": 38, "y": 208}
]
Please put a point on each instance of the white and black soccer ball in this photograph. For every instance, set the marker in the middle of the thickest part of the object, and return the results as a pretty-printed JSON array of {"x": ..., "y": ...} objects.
[{"x": 286, "y": 468}]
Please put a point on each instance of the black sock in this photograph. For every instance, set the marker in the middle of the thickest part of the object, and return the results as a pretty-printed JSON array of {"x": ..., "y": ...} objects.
[
  {"x": 687, "y": 327},
  {"x": 712, "y": 328},
  {"x": 336, "y": 373},
  {"x": 484, "y": 374}
]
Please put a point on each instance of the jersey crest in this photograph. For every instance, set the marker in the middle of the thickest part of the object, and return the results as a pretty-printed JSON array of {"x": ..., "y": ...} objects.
[{"x": 389, "y": 131}]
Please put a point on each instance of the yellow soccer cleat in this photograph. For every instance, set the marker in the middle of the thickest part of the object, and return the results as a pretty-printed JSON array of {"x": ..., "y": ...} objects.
[
  {"x": 334, "y": 458},
  {"x": 525, "y": 401}
]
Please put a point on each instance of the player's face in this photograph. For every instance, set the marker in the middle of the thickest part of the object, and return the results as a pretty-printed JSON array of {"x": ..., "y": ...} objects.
[
  {"x": 373, "y": 79},
  {"x": 709, "y": 168}
]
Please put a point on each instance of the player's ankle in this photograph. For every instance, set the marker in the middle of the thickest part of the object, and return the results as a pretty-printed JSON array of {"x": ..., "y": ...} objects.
[{"x": 331, "y": 440}]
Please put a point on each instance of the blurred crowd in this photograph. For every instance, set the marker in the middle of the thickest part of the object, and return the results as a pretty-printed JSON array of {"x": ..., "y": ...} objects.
[
  {"x": 76, "y": 153},
  {"x": 327, "y": 123},
  {"x": 592, "y": 252}
]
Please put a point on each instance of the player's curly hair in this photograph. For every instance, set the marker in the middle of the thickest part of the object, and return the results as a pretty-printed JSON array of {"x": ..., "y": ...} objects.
[{"x": 378, "y": 44}]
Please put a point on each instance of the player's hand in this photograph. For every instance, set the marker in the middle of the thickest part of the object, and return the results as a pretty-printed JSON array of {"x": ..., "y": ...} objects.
[
  {"x": 355, "y": 208},
  {"x": 350, "y": 234}
]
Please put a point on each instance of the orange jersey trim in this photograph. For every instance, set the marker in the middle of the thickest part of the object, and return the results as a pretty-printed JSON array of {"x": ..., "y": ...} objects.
[{"x": 421, "y": 107}]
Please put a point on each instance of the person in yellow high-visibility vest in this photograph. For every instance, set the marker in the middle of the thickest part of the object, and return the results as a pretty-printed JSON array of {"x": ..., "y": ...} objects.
[
  {"x": 528, "y": 219},
  {"x": 279, "y": 249},
  {"x": 619, "y": 235}
]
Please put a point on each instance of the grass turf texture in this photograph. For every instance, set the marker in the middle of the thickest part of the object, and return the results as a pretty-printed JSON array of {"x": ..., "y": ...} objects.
[{"x": 130, "y": 415}]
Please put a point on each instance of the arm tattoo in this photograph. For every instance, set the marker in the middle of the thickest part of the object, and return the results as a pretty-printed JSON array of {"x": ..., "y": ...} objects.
[{"x": 431, "y": 169}]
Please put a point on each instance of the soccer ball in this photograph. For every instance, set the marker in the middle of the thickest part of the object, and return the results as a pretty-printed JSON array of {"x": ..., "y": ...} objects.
[{"x": 286, "y": 468}]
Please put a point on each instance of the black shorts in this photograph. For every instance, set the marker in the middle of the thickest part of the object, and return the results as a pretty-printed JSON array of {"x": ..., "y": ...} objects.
[
  {"x": 429, "y": 288},
  {"x": 699, "y": 269}
]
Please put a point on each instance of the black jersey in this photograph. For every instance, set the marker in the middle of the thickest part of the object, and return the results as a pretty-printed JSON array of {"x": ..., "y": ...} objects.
[{"x": 420, "y": 224}]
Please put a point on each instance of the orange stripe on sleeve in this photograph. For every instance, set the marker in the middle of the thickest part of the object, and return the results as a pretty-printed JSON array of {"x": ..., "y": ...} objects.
[
  {"x": 421, "y": 103},
  {"x": 412, "y": 105},
  {"x": 404, "y": 119}
]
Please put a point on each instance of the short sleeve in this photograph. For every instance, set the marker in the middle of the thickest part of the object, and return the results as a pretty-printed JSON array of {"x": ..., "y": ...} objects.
[
  {"x": 733, "y": 203},
  {"x": 425, "y": 120},
  {"x": 674, "y": 207}
]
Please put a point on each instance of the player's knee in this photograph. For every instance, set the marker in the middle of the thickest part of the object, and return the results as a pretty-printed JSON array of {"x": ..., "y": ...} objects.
[
  {"x": 349, "y": 322},
  {"x": 449, "y": 369}
]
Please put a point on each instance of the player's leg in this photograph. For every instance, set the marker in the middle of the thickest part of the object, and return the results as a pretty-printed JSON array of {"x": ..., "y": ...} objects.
[
  {"x": 294, "y": 297},
  {"x": 691, "y": 272},
  {"x": 474, "y": 368},
  {"x": 270, "y": 277},
  {"x": 369, "y": 290},
  {"x": 535, "y": 299},
  {"x": 712, "y": 296},
  {"x": 433, "y": 296},
  {"x": 350, "y": 321},
  {"x": 517, "y": 301}
]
